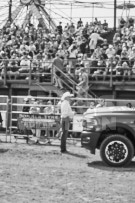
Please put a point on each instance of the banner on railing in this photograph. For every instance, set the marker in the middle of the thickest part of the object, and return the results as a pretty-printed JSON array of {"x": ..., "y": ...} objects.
[
  {"x": 4, "y": 119},
  {"x": 77, "y": 123},
  {"x": 37, "y": 121}
]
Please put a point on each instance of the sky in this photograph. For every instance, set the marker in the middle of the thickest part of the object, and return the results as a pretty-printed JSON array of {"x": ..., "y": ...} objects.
[{"x": 71, "y": 10}]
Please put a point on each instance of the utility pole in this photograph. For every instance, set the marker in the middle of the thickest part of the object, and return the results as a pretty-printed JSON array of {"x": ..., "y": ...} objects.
[
  {"x": 93, "y": 5},
  {"x": 71, "y": 13},
  {"x": 115, "y": 14},
  {"x": 10, "y": 11}
]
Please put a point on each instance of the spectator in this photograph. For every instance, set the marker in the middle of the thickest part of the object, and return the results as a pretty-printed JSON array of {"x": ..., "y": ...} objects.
[
  {"x": 79, "y": 23},
  {"x": 105, "y": 25},
  {"x": 57, "y": 66},
  {"x": 122, "y": 22},
  {"x": 59, "y": 27},
  {"x": 94, "y": 37},
  {"x": 126, "y": 71},
  {"x": 132, "y": 56},
  {"x": 105, "y": 44},
  {"x": 12, "y": 67},
  {"x": 26, "y": 108},
  {"x": 49, "y": 109},
  {"x": 98, "y": 52},
  {"x": 92, "y": 105},
  {"x": 124, "y": 55},
  {"x": 110, "y": 52},
  {"x": 83, "y": 84},
  {"x": 24, "y": 64},
  {"x": 72, "y": 57},
  {"x": 129, "y": 105},
  {"x": 101, "y": 103}
]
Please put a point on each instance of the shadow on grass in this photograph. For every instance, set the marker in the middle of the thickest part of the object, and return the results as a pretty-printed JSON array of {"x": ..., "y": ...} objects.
[
  {"x": 102, "y": 166},
  {"x": 3, "y": 150},
  {"x": 76, "y": 155}
]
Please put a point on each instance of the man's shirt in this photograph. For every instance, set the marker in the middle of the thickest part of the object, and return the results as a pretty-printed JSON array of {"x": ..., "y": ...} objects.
[{"x": 66, "y": 110}]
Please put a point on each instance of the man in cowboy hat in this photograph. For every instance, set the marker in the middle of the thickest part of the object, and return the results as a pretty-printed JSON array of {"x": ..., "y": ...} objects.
[{"x": 66, "y": 115}]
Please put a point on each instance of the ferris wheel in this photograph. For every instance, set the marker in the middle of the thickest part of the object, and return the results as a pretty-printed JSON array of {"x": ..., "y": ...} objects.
[{"x": 34, "y": 9}]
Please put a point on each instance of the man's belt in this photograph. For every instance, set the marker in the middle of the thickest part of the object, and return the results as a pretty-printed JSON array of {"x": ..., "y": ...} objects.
[{"x": 65, "y": 118}]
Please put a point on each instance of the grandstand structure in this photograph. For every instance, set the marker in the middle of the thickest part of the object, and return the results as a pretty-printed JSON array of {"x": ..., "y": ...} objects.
[{"x": 38, "y": 83}]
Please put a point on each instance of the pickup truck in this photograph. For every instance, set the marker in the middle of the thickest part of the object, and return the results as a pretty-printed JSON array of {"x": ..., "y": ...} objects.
[{"x": 112, "y": 131}]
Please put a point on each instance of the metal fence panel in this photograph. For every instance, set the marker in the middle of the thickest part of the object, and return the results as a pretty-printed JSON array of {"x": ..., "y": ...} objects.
[{"x": 4, "y": 104}]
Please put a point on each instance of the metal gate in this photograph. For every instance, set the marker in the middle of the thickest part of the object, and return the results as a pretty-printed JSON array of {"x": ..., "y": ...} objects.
[{"x": 4, "y": 115}]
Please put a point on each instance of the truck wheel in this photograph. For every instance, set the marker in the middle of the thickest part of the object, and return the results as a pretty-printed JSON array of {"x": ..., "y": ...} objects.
[{"x": 117, "y": 150}]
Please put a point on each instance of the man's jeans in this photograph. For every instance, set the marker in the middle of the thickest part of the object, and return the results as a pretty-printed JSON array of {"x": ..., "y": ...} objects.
[{"x": 65, "y": 128}]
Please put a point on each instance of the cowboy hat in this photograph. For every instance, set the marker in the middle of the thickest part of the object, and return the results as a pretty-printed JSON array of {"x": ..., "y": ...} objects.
[{"x": 66, "y": 94}]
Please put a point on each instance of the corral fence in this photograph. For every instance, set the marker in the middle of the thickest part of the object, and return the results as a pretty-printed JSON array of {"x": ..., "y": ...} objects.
[
  {"x": 4, "y": 115},
  {"x": 18, "y": 122}
]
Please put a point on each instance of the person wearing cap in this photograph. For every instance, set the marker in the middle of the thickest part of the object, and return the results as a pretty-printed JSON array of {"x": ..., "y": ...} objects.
[{"x": 66, "y": 115}]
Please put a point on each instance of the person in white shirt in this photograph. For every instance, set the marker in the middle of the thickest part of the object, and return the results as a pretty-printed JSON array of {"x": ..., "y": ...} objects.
[
  {"x": 66, "y": 115},
  {"x": 110, "y": 52},
  {"x": 94, "y": 37}
]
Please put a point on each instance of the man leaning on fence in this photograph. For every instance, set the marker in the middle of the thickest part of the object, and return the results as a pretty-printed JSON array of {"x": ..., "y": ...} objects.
[{"x": 66, "y": 115}]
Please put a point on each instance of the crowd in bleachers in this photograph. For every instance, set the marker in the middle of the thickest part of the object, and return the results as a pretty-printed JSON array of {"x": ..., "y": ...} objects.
[{"x": 70, "y": 48}]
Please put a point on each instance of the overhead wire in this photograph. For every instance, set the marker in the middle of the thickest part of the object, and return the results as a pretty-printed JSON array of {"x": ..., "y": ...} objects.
[
  {"x": 69, "y": 17},
  {"x": 58, "y": 14},
  {"x": 75, "y": 5}
]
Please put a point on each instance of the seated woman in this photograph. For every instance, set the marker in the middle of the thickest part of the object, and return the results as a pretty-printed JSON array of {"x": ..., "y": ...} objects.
[
  {"x": 124, "y": 70},
  {"x": 100, "y": 69},
  {"x": 25, "y": 64},
  {"x": 124, "y": 55},
  {"x": 110, "y": 66},
  {"x": 49, "y": 109},
  {"x": 13, "y": 68}
]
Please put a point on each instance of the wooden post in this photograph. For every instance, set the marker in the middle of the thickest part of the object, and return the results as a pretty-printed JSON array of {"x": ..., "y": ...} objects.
[
  {"x": 5, "y": 72},
  {"x": 30, "y": 78},
  {"x": 111, "y": 77},
  {"x": 52, "y": 72},
  {"x": 10, "y": 11},
  {"x": 30, "y": 74},
  {"x": 115, "y": 14}
]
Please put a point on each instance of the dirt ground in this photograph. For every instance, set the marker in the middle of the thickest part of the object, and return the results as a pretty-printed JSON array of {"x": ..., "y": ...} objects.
[{"x": 41, "y": 174}]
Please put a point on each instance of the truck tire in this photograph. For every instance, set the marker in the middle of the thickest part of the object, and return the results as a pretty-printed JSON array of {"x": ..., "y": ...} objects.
[{"x": 117, "y": 150}]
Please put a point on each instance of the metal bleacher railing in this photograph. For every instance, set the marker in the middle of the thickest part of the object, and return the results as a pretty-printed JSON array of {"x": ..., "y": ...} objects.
[{"x": 43, "y": 73}]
